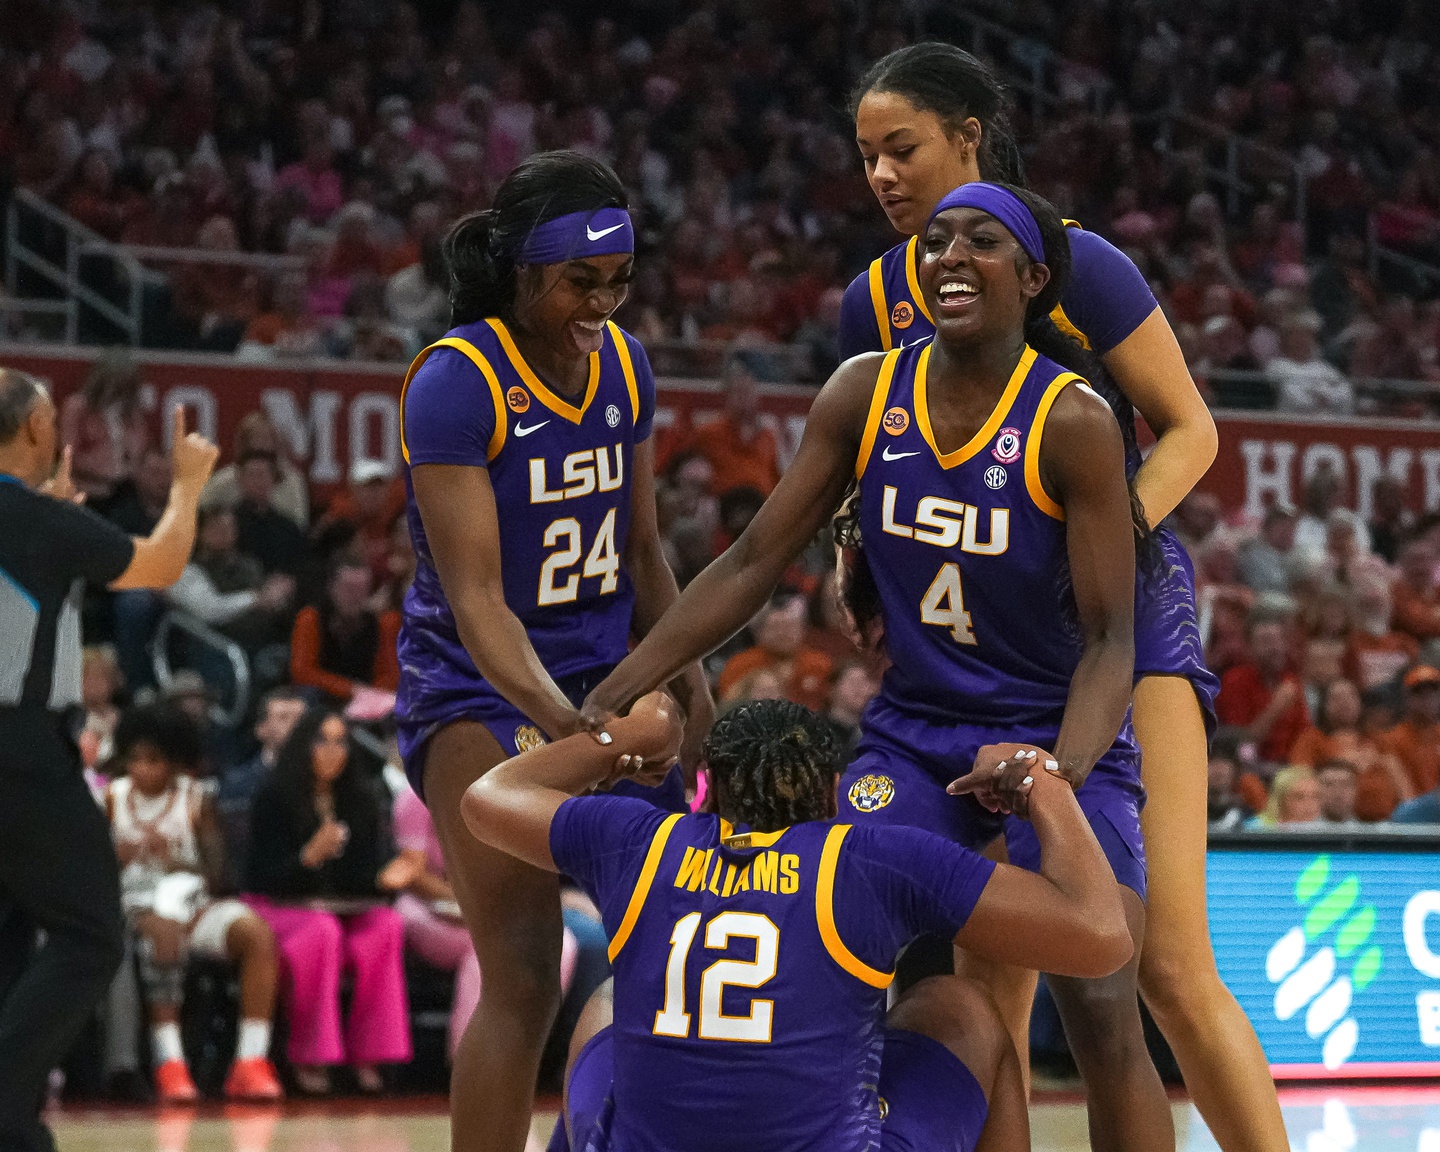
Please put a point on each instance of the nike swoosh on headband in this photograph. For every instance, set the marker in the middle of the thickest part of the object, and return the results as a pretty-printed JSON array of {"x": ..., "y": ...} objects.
[{"x": 590, "y": 235}]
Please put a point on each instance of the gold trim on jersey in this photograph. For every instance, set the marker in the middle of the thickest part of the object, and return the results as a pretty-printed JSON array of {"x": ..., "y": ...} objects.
[
  {"x": 877, "y": 410},
  {"x": 497, "y": 394},
  {"x": 751, "y": 839},
  {"x": 825, "y": 914},
  {"x": 642, "y": 885},
  {"x": 627, "y": 366},
  {"x": 877, "y": 301},
  {"x": 1067, "y": 326},
  {"x": 1033, "y": 484},
  {"x": 912, "y": 277},
  {"x": 988, "y": 429},
  {"x": 560, "y": 406}
]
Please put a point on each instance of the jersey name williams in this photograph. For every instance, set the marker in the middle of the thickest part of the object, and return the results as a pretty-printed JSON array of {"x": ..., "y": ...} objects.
[
  {"x": 591, "y": 470},
  {"x": 946, "y": 523}
]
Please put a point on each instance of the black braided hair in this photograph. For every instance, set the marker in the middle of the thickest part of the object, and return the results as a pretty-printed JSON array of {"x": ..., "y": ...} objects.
[
  {"x": 857, "y": 585},
  {"x": 773, "y": 764}
]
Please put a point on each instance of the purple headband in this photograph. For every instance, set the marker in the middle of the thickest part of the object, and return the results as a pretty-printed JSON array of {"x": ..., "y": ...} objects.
[
  {"x": 602, "y": 232},
  {"x": 1005, "y": 206}
]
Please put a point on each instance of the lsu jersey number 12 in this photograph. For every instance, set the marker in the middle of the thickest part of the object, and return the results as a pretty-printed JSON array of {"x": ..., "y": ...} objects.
[{"x": 561, "y": 474}]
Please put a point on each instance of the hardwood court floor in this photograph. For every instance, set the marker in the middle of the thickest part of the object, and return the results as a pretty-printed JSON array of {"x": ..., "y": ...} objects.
[{"x": 1330, "y": 1119}]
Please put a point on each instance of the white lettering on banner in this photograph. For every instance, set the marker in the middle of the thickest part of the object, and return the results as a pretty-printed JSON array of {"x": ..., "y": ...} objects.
[
  {"x": 363, "y": 408},
  {"x": 1430, "y": 469},
  {"x": 199, "y": 405},
  {"x": 1427, "y": 1008},
  {"x": 309, "y": 437},
  {"x": 1262, "y": 482},
  {"x": 1421, "y": 906},
  {"x": 1317, "y": 456},
  {"x": 1369, "y": 469}
]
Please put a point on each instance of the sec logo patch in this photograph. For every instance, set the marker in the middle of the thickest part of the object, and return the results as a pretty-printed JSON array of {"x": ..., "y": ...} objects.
[
  {"x": 896, "y": 421},
  {"x": 871, "y": 793},
  {"x": 995, "y": 476},
  {"x": 612, "y": 415},
  {"x": 518, "y": 399},
  {"x": 902, "y": 315},
  {"x": 1007, "y": 446},
  {"x": 527, "y": 736}
]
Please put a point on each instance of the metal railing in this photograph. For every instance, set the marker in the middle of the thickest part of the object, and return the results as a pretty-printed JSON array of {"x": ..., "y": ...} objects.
[
  {"x": 1256, "y": 390},
  {"x": 218, "y": 647},
  {"x": 54, "y": 265}
]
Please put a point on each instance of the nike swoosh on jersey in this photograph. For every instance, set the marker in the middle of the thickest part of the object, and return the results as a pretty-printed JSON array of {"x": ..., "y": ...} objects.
[
  {"x": 589, "y": 235},
  {"x": 521, "y": 430},
  {"x": 888, "y": 455}
]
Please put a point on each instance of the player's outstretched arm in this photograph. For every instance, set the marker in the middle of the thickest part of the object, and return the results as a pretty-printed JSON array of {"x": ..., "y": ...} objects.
[
  {"x": 457, "y": 506},
  {"x": 512, "y": 805},
  {"x": 720, "y": 601},
  {"x": 1068, "y": 920},
  {"x": 1083, "y": 462}
]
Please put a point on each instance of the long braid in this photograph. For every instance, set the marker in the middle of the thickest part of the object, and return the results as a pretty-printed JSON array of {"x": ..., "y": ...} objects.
[{"x": 773, "y": 764}]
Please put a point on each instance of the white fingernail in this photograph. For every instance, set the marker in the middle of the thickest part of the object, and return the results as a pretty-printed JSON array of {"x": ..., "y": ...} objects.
[
  {"x": 1051, "y": 766},
  {"x": 1028, "y": 755},
  {"x": 1028, "y": 780},
  {"x": 604, "y": 738}
]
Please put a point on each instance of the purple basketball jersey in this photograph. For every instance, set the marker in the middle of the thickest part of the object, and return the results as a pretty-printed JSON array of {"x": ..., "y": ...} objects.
[
  {"x": 561, "y": 474},
  {"x": 751, "y": 969},
  {"x": 968, "y": 552}
]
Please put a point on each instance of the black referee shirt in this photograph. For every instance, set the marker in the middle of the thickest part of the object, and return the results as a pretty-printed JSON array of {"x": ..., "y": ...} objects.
[{"x": 49, "y": 550}]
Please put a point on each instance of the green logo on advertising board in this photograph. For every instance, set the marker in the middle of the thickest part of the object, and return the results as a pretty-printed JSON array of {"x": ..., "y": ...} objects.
[{"x": 1324, "y": 982}]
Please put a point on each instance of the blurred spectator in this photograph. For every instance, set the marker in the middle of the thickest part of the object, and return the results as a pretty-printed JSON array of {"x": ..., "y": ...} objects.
[
  {"x": 317, "y": 831},
  {"x": 140, "y": 504},
  {"x": 1294, "y": 800},
  {"x": 1322, "y": 663},
  {"x": 1375, "y": 652},
  {"x": 1195, "y": 518},
  {"x": 101, "y": 686},
  {"x": 1320, "y": 498},
  {"x": 1416, "y": 593},
  {"x": 270, "y": 536},
  {"x": 1340, "y": 735},
  {"x": 742, "y": 452},
  {"x": 315, "y": 179},
  {"x": 855, "y": 686},
  {"x": 105, "y": 426},
  {"x": 779, "y": 647},
  {"x": 1337, "y": 781},
  {"x": 96, "y": 201},
  {"x": 256, "y": 434},
  {"x": 341, "y": 645},
  {"x": 1415, "y": 741},
  {"x": 1225, "y": 811},
  {"x": 399, "y": 569},
  {"x": 227, "y": 589},
  {"x": 418, "y": 297},
  {"x": 1337, "y": 721},
  {"x": 761, "y": 684},
  {"x": 279, "y": 711},
  {"x": 371, "y": 503},
  {"x": 1304, "y": 381},
  {"x": 830, "y": 628},
  {"x": 215, "y": 300},
  {"x": 1263, "y": 696},
  {"x": 1263, "y": 562},
  {"x": 283, "y": 327}
]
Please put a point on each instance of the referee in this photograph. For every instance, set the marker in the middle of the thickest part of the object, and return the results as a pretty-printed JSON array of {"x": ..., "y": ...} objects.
[{"x": 57, "y": 867}]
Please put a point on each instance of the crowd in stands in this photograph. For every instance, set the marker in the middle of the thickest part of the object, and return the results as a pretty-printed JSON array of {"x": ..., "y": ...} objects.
[{"x": 342, "y": 140}]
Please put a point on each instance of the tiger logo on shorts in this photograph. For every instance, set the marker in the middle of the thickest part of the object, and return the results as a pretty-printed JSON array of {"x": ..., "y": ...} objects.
[
  {"x": 527, "y": 737},
  {"x": 871, "y": 793}
]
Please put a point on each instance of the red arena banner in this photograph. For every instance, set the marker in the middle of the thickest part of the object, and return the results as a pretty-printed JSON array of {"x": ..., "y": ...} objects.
[
  {"x": 1266, "y": 459},
  {"x": 333, "y": 414}
]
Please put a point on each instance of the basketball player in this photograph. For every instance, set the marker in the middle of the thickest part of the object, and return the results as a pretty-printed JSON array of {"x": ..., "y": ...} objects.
[
  {"x": 528, "y": 462},
  {"x": 999, "y": 541},
  {"x": 928, "y": 118},
  {"x": 753, "y": 944}
]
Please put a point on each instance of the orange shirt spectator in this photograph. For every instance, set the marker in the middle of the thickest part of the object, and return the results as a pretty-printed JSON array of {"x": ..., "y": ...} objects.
[
  {"x": 1264, "y": 698},
  {"x": 1416, "y": 596},
  {"x": 1380, "y": 782},
  {"x": 741, "y": 451},
  {"x": 779, "y": 648},
  {"x": 341, "y": 645},
  {"x": 1415, "y": 741},
  {"x": 372, "y": 502},
  {"x": 1375, "y": 652}
]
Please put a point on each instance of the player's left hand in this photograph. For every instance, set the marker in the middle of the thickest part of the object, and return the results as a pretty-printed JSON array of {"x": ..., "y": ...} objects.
[{"x": 1002, "y": 776}]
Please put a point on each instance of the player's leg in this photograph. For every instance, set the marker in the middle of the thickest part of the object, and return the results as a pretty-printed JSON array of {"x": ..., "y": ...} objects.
[
  {"x": 932, "y": 1102},
  {"x": 1214, "y": 1044},
  {"x": 589, "y": 1071},
  {"x": 162, "y": 971},
  {"x": 513, "y": 913},
  {"x": 1011, "y": 988},
  {"x": 1128, "y": 1109}
]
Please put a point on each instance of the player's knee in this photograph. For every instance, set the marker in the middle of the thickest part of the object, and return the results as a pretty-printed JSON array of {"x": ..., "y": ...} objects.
[
  {"x": 960, "y": 1014},
  {"x": 1177, "y": 987},
  {"x": 1102, "y": 1016}
]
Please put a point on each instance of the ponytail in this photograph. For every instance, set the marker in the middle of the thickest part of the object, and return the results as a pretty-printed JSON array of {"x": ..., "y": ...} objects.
[{"x": 480, "y": 249}]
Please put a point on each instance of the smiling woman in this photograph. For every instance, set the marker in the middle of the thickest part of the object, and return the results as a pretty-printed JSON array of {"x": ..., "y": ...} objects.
[{"x": 512, "y": 619}]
